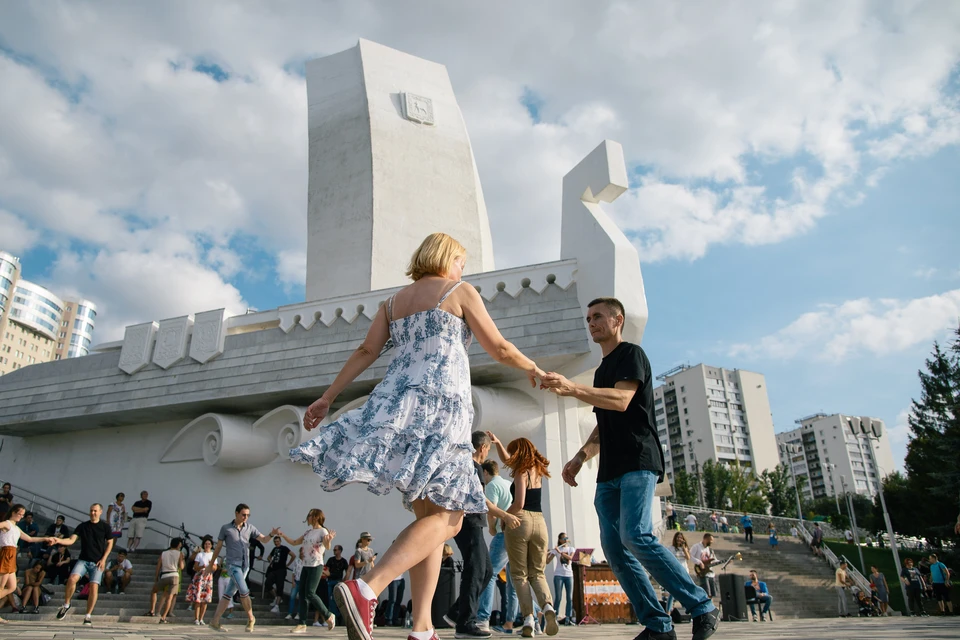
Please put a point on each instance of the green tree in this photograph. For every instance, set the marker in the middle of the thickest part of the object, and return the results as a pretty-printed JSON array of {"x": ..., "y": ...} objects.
[
  {"x": 780, "y": 494},
  {"x": 684, "y": 488},
  {"x": 745, "y": 490},
  {"x": 716, "y": 481},
  {"x": 933, "y": 453}
]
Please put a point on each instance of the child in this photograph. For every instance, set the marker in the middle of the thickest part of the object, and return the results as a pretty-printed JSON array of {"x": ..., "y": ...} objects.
[{"x": 772, "y": 530}]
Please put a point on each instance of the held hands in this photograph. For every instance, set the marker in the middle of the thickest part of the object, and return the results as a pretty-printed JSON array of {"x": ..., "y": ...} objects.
[
  {"x": 558, "y": 384},
  {"x": 535, "y": 375},
  {"x": 316, "y": 412}
]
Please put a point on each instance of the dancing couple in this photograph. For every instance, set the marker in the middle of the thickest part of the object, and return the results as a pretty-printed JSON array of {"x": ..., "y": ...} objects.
[{"x": 414, "y": 434}]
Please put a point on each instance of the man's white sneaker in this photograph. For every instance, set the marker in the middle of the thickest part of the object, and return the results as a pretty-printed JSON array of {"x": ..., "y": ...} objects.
[
  {"x": 528, "y": 624},
  {"x": 288, "y": 617},
  {"x": 550, "y": 616},
  {"x": 275, "y": 609},
  {"x": 484, "y": 626}
]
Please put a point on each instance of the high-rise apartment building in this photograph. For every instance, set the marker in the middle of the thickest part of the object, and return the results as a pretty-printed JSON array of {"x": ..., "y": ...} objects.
[
  {"x": 35, "y": 324},
  {"x": 711, "y": 413},
  {"x": 833, "y": 456}
]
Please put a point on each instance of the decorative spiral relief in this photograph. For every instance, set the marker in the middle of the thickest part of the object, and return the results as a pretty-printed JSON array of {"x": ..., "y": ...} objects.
[{"x": 237, "y": 442}]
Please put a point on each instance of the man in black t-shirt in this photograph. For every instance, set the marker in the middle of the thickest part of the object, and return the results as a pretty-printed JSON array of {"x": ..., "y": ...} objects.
[
  {"x": 336, "y": 569},
  {"x": 96, "y": 542},
  {"x": 631, "y": 464},
  {"x": 138, "y": 523},
  {"x": 276, "y": 575}
]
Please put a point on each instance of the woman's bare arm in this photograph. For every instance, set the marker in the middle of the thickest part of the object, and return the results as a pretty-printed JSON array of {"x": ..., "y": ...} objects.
[
  {"x": 520, "y": 496},
  {"x": 485, "y": 329}
]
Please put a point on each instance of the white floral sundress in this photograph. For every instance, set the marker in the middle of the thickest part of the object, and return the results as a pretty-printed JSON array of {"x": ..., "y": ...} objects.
[{"x": 413, "y": 432}]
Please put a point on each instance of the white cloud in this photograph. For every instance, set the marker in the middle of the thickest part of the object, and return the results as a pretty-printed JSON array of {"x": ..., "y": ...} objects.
[
  {"x": 837, "y": 331},
  {"x": 16, "y": 234},
  {"x": 925, "y": 272},
  {"x": 137, "y": 153}
]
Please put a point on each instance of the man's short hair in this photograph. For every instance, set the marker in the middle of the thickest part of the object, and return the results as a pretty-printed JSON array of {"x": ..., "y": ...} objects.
[
  {"x": 241, "y": 507},
  {"x": 175, "y": 543},
  {"x": 97, "y": 504},
  {"x": 121, "y": 552},
  {"x": 479, "y": 439},
  {"x": 612, "y": 303},
  {"x": 59, "y": 517},
  {"x": 30, "y": 513},
  {"x": 491, "y": 467},
  {"x": 843, "y": 562},
  {"x": 707, "y": 535},
  {"x": 932, "y": 555},
  {"x": 275, "y": 538}
]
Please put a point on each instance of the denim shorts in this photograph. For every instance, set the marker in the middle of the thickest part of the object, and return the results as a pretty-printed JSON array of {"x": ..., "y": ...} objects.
[
  {"x": 238, "y": 582},
  {"x": 87, "y": 568}
]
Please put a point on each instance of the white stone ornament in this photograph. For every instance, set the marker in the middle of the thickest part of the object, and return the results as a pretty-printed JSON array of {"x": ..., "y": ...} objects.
[
  {"x": 172, "y": 341},
  {"x": 418, "y": 108},
  {"x": 137, "y": 343},
  {"x": 209, "y": 333}
]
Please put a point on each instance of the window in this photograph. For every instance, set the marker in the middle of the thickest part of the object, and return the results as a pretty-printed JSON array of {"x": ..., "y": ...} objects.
[
  {"x": 686, "y": 423},
  {"x": 684, "y": 399},
  {"x": 682, "y": 389},
  {"x": 685, "y": 411}
]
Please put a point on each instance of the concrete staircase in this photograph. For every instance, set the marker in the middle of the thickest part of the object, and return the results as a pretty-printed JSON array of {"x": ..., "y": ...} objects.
[
  {"x": 135, "y": 601},
  {"x": 800, "y": 583}
]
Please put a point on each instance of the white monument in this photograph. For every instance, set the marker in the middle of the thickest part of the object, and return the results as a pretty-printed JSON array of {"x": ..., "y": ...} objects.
[
  {"x": 389, "y": 158},
  {"x": 201, "y": 410}
]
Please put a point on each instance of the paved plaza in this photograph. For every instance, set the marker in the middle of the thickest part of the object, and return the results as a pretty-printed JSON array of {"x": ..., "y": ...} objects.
[{"x": 808, "y": 629}]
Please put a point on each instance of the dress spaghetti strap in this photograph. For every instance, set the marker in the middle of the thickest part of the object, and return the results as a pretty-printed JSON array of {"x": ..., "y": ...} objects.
[{"x": 448, "y": 292}]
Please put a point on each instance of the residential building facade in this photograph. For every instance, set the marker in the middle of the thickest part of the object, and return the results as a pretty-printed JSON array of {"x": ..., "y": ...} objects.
[
  {"x": 830, "y": 455},
  {"x": 36, "y": 325},
  {"x": 711, "y": 413}
]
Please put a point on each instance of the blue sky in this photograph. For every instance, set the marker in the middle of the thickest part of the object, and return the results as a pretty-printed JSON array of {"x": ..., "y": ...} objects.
[{"x": 793, "y": 168}]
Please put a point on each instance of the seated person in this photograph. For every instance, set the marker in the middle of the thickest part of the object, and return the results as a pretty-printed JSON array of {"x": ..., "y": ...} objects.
[
  {"x": 118, "y": 574},
  {"x": 59, "y": 565},
  {"x": 764, "y": 599},
  {"x": 32, "y": 579}
]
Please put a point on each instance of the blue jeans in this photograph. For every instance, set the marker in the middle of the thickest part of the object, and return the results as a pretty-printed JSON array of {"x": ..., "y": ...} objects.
[
  {"x": 333, "y": 602},
  {"x": 238, "y": 582},
  {"x": 293, "y": 598},
  {"x": 498, "y": 557},
  {"x": 559, "y": 582},
  {"x": 764, "y": 600},
  {"x": 89, "y": 569},
  {"x": 394, "y": 600},
  {"x": 630, "y": 545}
]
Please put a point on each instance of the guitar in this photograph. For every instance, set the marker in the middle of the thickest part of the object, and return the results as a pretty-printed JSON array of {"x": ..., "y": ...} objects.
[{"x": 704, "y": 568}]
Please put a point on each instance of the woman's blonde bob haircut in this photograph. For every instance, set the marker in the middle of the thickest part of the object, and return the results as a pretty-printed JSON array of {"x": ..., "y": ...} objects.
[{"x": 435, "y": 256}]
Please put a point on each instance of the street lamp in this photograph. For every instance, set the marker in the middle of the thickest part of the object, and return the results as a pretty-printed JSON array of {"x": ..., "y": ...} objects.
[
  {"x": 791, "y": 449},
  {"x": 848, "y": 498},
  {"x": 872, "y": 430},
  {"x": 696, "y": 470},
  {"x": 833, "y": 483}
]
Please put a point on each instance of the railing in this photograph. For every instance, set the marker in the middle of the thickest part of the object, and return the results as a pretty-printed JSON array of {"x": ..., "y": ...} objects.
[{"x": 734, "y": 517}]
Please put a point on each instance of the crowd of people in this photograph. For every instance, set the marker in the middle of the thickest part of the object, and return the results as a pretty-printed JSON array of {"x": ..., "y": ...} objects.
[{"x": 413, "y": 435}]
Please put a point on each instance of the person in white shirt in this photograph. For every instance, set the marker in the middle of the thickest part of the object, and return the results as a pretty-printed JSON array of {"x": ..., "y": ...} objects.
[
  {"x": 849, "y": 536},
  {"x": 563, "y": 574},
  {"x": 119, "y": 572},
  {"x": 724, "y": 524},
  {"x": 679, "y": 549},
  {"x": 297, "y": 569},
  {"x": 704, "y": 557},
  {"x": 691, "y": 521},
  {"x": 200, "y": 591},
  {"x": 315, "y": 541},
  {"x": 167, "y": 579}
]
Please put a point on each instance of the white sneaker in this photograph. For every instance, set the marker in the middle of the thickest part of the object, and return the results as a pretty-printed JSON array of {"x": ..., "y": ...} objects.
[
  {"x": 550, "y": 617},
  {"x": 275, "y": 609},
  {"x": 528, "y": 626},
  {"x": 196, "y": 623},
  {"x": 289, "y": 617},
  {"x": 318, "y": 624},
  {"x": 484, "y": 626}
]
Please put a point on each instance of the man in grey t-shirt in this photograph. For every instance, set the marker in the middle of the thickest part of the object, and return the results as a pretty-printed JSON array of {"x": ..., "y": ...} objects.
[{"x": 236, "y": 536}]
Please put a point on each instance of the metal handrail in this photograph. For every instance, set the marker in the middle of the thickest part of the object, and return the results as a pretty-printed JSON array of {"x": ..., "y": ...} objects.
[{"x": 737, "y": 514}]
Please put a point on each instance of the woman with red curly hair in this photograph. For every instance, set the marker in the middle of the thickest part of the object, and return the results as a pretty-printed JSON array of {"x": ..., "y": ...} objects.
[{"x": 527, "y": 544}]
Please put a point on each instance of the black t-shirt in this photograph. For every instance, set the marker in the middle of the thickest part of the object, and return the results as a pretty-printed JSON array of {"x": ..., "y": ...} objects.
[
  {"x": 93, "y": 540},
  {"x": 140, "y": 504},
  {"x": 476, "y": 519},
  {"x": 337, "y": 568},
  {"x": 278, "y": 558},
  {"x": 628, "y": 439}
]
